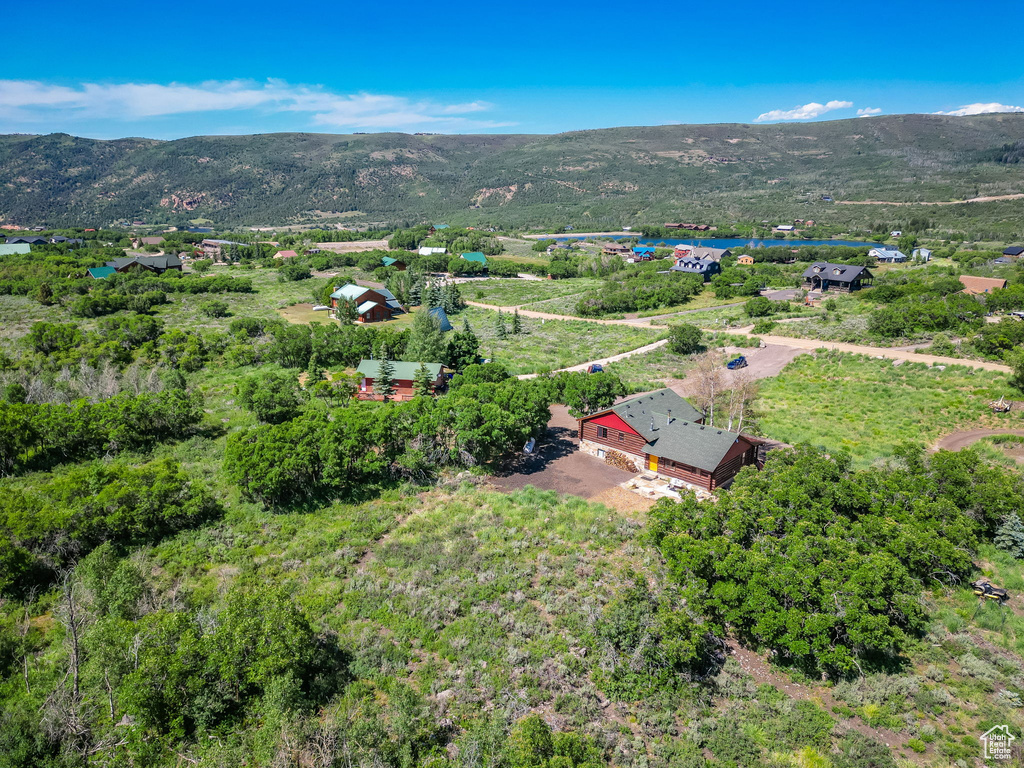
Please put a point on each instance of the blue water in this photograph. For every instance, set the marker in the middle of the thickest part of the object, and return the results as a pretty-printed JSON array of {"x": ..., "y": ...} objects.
[{"x": 724, "y": 242}]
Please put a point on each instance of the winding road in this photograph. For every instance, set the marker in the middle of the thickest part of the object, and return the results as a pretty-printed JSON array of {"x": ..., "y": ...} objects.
[{"x": 892, "y": 353}]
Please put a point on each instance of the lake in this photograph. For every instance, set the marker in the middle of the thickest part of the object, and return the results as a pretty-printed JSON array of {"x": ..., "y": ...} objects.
[{"x": 724, "y": 242}]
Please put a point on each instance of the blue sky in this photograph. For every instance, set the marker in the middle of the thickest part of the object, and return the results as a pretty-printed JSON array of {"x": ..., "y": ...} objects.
[{"x": 111, "y": 69}]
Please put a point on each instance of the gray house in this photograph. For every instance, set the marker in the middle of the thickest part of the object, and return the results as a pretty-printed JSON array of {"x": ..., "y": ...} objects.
[
  {"x": 824, "y": 276},
  {"x": 706, "y": 268}
]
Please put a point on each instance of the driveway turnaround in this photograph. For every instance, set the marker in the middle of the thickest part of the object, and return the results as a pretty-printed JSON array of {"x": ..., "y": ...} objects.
[{"x": 559, "y": 466}]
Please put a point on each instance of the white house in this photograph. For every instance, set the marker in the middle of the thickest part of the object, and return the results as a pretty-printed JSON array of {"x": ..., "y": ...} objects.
[
  {"x": 785, "y": 228},
  {"x": 921, "y": 254},
  {"x": 896, "y": 233},
  {"x": 887, "y": 255},
  {"x": 428, "y": 251}
]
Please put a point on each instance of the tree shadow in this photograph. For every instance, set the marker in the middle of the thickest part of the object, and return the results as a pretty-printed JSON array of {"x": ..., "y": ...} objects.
[{"x": 556, "y": 443}]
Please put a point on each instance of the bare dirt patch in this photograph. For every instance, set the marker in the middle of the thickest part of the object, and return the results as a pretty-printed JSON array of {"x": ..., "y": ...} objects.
[{"x": 559, "y": 466}]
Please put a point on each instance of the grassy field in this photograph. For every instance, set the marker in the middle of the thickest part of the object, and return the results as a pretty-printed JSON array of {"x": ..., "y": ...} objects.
[
  {"x": 652, "y": 370},
  {"x": 468, "y": 602},
  {"x": 551, "y": 344},
  {"x": 705, "y": 300},
  {"x": 867, "y": 407},
  {"x": 512, "y": 293}
]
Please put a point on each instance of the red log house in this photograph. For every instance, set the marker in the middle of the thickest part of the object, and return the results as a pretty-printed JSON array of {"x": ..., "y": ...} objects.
[
  {"x": 403, "y": 379},
  {"x": 665, "y": 435}
]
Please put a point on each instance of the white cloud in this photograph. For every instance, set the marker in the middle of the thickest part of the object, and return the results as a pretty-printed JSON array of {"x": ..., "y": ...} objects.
[
  {"x": 869, "y": 111},
  {"x": 806, "y": 112},
  {"x": 981, "y": 109},
  {"x": 29, "y": 101}
]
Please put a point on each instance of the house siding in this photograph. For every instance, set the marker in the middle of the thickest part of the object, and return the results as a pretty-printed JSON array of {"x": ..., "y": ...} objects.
[
  {"x": 402, "y": 389},
  {"x": 687, "y": 474},
  {"x": 728, "y": 469},
  {"x": 629, "y": 443}
]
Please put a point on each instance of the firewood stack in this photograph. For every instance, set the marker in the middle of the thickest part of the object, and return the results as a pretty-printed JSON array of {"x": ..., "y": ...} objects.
[{"x": 621, "y": 461}]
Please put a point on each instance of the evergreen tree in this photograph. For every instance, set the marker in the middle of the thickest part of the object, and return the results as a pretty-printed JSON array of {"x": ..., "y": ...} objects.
[
  {"x": 426, "y": 340},
  {"x": 451, "y": 299},
  {"x": 466, "y": 328},
  {"x": 1010, "y": 536},
  {"x": 517, "y": 324},
  {"x": 463, "y": 350},
  {"x": 499, "y": 326},
  {"x": 423, "y": 383},
  {"x": 431, "y": 296},
  {"x": 416, "y": 289},
  {"x": 384, "y": 382}
]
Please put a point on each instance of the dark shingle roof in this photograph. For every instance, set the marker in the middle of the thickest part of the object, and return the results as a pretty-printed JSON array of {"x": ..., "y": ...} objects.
[
  {"x": 1014, "y": 250},
  {"x": 153, "y": 262},
  {"x": 846, "y": 273},
  {"x": 687, "y": 264},
  {"x": 677, "y": 438}
]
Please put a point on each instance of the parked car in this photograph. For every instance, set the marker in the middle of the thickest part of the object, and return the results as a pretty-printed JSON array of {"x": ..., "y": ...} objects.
[
  {"x": 595, "y": 368},
  {"x": 739, "y": 362}
]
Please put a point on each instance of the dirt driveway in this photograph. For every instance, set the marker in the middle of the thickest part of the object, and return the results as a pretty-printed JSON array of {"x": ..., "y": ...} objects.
[
  {"x": 559, "y": 466},
  {"x": 959, "y": 440}
]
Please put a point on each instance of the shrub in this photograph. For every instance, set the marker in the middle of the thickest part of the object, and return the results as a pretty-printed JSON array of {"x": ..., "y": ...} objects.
[
  {"x": 214, "y": 308},
  {"x": 759, "y": 306},
  {"x": 685, "y": 339}
]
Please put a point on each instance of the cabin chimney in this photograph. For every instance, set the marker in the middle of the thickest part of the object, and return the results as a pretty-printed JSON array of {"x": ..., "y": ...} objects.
[
  {"x": 652, "y": 423},
  {"x": 669, "y": 417}
]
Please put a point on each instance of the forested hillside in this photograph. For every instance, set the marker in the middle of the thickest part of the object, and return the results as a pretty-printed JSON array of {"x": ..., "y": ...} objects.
[{"x": 601, "y": 177}]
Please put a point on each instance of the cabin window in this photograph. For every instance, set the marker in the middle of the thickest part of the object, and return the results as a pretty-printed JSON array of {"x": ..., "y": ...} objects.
[
  {"x": 622, "y": 436},
  {"x": 602, "y": 432},
  {"x": 600, "y": 453}
]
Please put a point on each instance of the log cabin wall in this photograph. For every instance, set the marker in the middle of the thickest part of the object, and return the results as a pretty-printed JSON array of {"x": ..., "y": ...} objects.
[{"x": 613, "y": 438}]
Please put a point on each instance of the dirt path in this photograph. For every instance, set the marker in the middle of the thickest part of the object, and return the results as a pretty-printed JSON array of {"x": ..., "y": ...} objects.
[
  {"x": 859, "y": 349},
  {"x": 983, "y": 199},
  {"x": 958, "y": 440},
  {"x": 781, "y": 341},
  {"x": 582, "y": 367}
]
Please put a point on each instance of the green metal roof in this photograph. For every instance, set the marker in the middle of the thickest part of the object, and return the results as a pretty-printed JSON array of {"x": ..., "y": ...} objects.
[
  {"x": 9, "y": 249},
  {"x": 349, "y": 292},
  {"x": 403, "y": 369},
  {"x": 101, "y": 273},
  {"x": 440, "y": 226},
  {"x": 388, "y": 261},
  {"x": 476, "y": 256}
]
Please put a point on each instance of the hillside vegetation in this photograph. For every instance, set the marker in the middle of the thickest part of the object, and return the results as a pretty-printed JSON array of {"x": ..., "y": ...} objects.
[{"x": 603, "y": 177}]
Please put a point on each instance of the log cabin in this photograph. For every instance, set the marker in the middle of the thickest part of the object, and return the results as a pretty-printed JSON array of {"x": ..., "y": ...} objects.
[
  {"x": 402, "y": 382},
  {"x": 664, "y": 435}
]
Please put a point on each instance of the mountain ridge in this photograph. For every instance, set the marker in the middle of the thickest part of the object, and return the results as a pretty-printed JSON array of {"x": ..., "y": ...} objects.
[{"x": 711, "y": 171}]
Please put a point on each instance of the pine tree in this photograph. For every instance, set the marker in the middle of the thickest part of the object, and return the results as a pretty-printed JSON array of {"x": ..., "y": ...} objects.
[
  {"x": 466, "y": 328},
  {"x": 416, "y": 291},
  {"x": 499, "y": 326},
  {"x": 383, "y": 383},
  {"x": 423, "y": 384},
  {"x": 426, "y": 341},
  {"x": 315, "y": 369},
  {"x": 517, "y": 324},
  {"x": 1010, "y": 536},
  {"x": 431, "y": 296}
]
